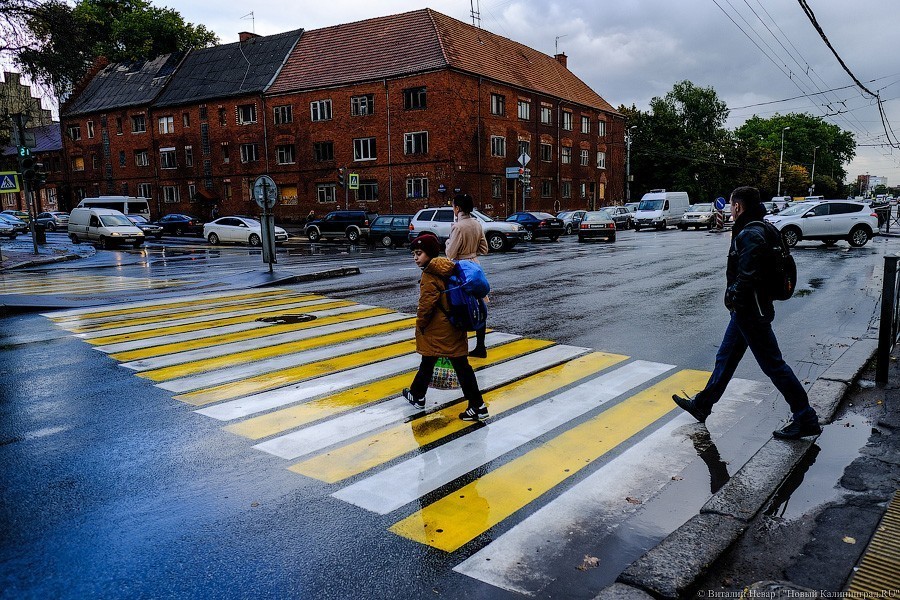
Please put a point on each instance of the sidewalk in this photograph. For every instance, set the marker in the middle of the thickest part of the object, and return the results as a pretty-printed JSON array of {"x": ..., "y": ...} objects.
[{"x": 19, "y": 253}]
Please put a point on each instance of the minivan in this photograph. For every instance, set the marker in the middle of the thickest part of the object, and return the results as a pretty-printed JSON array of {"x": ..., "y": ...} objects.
[
  {"x": 659, "y": 209},
  {"x": 127, "y": 205},
  {"x": 105, "y": 226}
]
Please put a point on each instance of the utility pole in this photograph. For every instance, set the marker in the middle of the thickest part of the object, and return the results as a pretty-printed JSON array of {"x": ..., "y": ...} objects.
[
  {"x": 628, "y": 163},
  {"x": 812, "y": 177},
  {"x": 781, "y": 160}
]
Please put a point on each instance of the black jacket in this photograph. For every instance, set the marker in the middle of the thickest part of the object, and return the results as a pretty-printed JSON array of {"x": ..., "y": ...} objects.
[{"x": 745, "y": 293}]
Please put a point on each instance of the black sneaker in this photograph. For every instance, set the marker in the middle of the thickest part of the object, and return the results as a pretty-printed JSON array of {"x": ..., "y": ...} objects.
[
  {"x": 689, "y": 405},
  {"x": 420, "y": 403},
  {"x": 794, "y": 430},
  {"x": 474, "y": 415},
  {"x": 478, "y": 352}
]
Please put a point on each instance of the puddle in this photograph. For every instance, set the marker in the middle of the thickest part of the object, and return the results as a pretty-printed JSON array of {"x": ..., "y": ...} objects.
[{"x": 813, "y": 482}]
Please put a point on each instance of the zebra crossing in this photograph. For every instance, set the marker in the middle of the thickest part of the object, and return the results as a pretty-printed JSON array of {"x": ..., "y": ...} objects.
[
  {"x": 66, "y": 284},
  {"x": 316, "y": 382}
]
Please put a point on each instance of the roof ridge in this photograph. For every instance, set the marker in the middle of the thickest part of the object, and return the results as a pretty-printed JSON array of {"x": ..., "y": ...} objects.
[{"x": 438, "y": 35}]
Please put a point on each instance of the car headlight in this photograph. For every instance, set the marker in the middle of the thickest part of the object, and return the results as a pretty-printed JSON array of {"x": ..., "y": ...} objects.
[{"x": 115, "y": 234}]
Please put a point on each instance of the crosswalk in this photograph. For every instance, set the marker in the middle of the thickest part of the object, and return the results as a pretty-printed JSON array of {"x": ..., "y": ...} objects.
[
  {"x": 67, "y": 284},
  {"x": 316, "y": 382}
]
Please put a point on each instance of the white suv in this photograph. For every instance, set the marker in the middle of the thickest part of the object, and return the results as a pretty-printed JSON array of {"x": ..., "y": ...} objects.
[
  {"x": 828, "y": 221},
  {"x": 500, "y": 235}
]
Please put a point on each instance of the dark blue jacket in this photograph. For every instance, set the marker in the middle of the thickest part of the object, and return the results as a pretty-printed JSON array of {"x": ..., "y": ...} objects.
[{"x": 745, "y": 293}]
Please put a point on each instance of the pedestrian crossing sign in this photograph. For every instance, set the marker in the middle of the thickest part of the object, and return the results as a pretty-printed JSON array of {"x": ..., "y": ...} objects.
[
  {"x": 9, "y": 183},
  {"x": 354, "y": 181}
]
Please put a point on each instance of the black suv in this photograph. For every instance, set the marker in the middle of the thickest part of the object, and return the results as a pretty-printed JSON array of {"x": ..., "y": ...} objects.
[{"x": 351, "y": 224}]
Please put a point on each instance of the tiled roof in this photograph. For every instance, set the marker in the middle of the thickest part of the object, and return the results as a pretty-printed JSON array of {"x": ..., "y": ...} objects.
[
  {"x": 124, "y": 84},
  {"x": 424, "y": 40},
  {"x": 47, "y": 138},
  {"x": 228, "y": 70}
]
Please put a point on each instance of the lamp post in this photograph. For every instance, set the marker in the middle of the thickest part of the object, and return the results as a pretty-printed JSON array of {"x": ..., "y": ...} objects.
[
  {"x": 812, "y": 177},
  {"x": 781, "y": 160},
  {"x": 628, "y": 163}
]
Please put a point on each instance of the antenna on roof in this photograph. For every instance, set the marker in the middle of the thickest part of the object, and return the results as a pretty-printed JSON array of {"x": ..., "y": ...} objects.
[
  {"x": 475, "y": 12},
  {"x": 252, "y": 20},
  {"x": 556, "y": 43}
]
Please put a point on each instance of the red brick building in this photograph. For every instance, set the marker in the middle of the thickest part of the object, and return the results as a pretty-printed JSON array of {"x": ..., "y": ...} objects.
[{"x": 418, "y": 105}]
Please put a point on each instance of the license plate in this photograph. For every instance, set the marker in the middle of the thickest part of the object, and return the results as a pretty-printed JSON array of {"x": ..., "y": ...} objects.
[{"x": 129, "y": 239}]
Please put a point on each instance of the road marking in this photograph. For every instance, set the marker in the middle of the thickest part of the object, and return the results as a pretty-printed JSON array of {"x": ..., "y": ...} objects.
[
  {"x": 372, "y": 451},
  {"x": 68, "y": 285},
  {"x": 459, "y": 517}
]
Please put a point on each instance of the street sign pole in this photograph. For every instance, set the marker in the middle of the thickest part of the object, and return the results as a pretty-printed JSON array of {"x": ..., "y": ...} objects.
[
  {"x": 24, "y": 152},
  {"x": 265, "y": 192}
]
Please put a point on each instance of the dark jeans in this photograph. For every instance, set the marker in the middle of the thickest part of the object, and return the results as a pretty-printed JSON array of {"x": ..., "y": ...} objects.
[
  {"x": 463, "y": 371},
  {"x": 479, "y": 337},
  {"x": 759, "y": 337}
]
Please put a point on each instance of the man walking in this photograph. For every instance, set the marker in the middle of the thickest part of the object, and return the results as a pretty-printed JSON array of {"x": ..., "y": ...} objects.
[{"x": 752, "y": 312}]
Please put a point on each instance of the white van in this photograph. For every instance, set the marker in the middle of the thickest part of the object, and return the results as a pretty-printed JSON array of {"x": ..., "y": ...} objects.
[
  {"x": 127, "y": 205},
  {"x": 659, "y": 209},
  {"x": 105, "y": 226}
]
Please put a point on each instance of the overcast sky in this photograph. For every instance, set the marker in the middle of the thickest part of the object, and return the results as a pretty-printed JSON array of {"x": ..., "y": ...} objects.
[{"x": 750, "y": 51}]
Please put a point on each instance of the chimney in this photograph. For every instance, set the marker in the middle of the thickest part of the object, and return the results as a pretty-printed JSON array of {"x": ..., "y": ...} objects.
[
  {"x": 246, "y": 35},
  {"x": 561, "y": 58}
]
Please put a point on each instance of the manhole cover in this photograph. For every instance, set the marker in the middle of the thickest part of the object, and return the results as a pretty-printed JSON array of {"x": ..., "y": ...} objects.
[{"x": 287, "y": 319}]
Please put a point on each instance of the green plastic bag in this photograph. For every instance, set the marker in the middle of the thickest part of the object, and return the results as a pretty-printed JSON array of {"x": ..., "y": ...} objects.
[{"x": 444, "y": 375}]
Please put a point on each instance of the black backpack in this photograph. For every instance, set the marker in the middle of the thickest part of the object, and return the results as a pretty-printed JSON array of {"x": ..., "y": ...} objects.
[{"x": 780, "y": 278}]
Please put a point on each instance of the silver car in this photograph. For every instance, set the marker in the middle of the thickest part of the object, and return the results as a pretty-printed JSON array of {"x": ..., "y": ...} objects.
[
  {"x": 700, "y": 215},
  {"x": 53, "y": 220},
  {"x": 571, "y": 219},
  {"x": 500, "y": 235}
]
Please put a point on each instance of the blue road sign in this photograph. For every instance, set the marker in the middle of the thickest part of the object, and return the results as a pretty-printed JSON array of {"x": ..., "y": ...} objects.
[{"x": 720, "y": 203}]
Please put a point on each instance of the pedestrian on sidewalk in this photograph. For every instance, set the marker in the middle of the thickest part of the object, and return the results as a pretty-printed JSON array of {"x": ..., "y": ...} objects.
[
  {"x": 436, "y": 337},
  {"x": 752, "y": 312},
  {"x": 466, "y": 242}
]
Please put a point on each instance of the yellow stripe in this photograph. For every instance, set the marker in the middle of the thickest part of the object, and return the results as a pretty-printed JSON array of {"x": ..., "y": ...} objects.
[
  {"x": 239, "y": 358},
  {"x": 186, "y": 314},
  {"x": 369, "y": 452},
  {"x": 162, "y": 331},
  {"x": 296, "y": 416},
  {"x": 249, "y": 334},
  {"x": 459, "y": 517},
  {"x": 158, "y": 306}
]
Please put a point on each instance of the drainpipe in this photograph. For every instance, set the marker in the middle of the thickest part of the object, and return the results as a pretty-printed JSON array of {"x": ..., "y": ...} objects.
[
  {"x": 478, "y": 144},
  {"x": 387, "y": 105}
]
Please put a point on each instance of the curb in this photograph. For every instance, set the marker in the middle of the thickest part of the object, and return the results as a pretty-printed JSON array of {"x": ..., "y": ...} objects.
[
  {"x": 41, "y": 261},
  {"x": 675, "y": 564}
]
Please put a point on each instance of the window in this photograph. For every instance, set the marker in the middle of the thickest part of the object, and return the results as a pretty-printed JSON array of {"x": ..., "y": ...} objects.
[
  {"x": 362, "y": 105},
  {"x": 368, "y": 191},
  {"x": 546, "y": 115},
  {"x": 498, "y": 104},
  {"x": 565, "y": 155},
  {"x": 248, "y": 153},
  {"x": 525, "y": 110},
  {"x": 496, "y": 187},
  {"x": 585, "y": 124},
  {"x": 90, "y": 130},
  {"x": 167, "y": 124},
  {"x": 144, "y": 190},
  {"x": 203, "y": 112},
  {"x": 566, "y": 190},
  {"x": 524, "y": 148},
  {"x": 167, "y": 158},
  {"x": 414, "y": 98},
  {"x": 585, "y": 158},
  {"x": 546, "y": 152},
  {"x": 122, "y": 159},
  {"x": 189, "y": 156},
  {"x": 601, "y": 160},
  {"x": 138, "y": 124},
  {"x": 545, "y": 188},
  {"x": 285, "y": 154},
  {"x": 320, "y": 110},
  {"x": 74, "y": 132},
  {"x": 223, "y": 117},
  {"x": 417, "y": 187},
  {"x": 567, "y": 120},
  {"x": 601, "y": 128},
  {"x": 323, "y": 151},
  {"x": 226, "y": 190},
  {"x": 498, "y": 145},
  {"x": 364, "y": 149},
  {"x": 226, "y": 152},
  {"x": 51, "y": 195},
  {"x": 246, "y": 114},
  {"x": 186, "y": 119},
  {"x": 325, "y": 193},
  {"x": 284, "y": 114},
  {"x": 416, "y": 142},
  {"x": 170, "y": 194},
  {"x": 192, "y": 192},
  {"x": 118, "y": 125}
]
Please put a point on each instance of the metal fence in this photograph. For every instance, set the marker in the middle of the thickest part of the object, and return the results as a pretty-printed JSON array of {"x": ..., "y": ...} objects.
[
  {"x": 889, "y": 326},
  {"x": 888, "y": 216}
]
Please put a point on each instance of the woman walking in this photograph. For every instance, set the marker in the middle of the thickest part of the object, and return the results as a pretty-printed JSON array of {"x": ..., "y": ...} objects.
[{"x": 466, "y": 242}]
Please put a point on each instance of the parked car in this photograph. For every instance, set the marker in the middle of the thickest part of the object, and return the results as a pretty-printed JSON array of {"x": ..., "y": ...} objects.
[
  {"x": 149, "y": 229},
  {"x": 632, "y": 206},
  {"x": 7, "y": 230},
  {"x": 771, "y": 208},
  {"x": 19, "y": 225},
  {"x": 350, "y": 224},
  {"x": 239, "y": 230},
  {"x": 105, "y": 226},
  {"x": 623, "y": 217},
  {"x": 828, "y": 221},
  {"x": 571, "y": 219},
  {"x": 538, "y": 224},
  {"x": 499, "y": 234},
  {"x": 700, "y": 215},
  {"x": 659, "y": 209},
  {"x": 390, "y": 230},
  {"x": 597, "y": 224},
  {"x": 53, "y": 220},
  {"x": 178, "y": 224},
  {"x": 19, "y": 214}
]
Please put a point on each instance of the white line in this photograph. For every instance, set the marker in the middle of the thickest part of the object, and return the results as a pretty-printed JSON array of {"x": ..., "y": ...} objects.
[{"x": 404, "y": 482}]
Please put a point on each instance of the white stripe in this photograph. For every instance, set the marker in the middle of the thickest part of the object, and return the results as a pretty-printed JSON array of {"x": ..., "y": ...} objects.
[
  {"x": 522, "y": 559},
  {"x": 374, "y": 417},
  {"x": 398, "y": 485},
  {"x": 329, "y": 384},
  {"x": 250, "y": 369},
  {"x": 177, "y": 358}
]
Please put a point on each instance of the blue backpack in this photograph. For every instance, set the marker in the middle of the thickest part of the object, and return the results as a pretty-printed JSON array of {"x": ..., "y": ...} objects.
[{"x": 466, "y": 288}]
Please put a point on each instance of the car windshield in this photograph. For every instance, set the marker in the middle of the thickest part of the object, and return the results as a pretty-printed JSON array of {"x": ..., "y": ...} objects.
[
  {"x": 252, "y": 222},
  {"x": 115, "y": 221},
  {"x": 796, "y": 209},
  {"x": 542, "y": 215},
  {"x": 701, "y": 208},
  {"x": 564, "y": 214},
  {"x": 597, "y": 215},
  {"x": 137, "y": 219},
  {"x": 482, "y": 216},
  {"x": 651, "y": 205}
]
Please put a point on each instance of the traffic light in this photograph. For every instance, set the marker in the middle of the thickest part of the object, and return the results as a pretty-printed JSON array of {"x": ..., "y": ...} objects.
[
  {"x": 525, "y": 177},
  {"x": 341, "y": 176},
  {"x": 26, "y": 165},
  {"x": 40, "y": 177}
]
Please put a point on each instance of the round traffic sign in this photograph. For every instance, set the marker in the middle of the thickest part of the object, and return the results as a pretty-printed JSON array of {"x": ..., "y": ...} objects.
[
  {"x": 720, "y": 203},
  {"x": 265, "y": 192}
]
